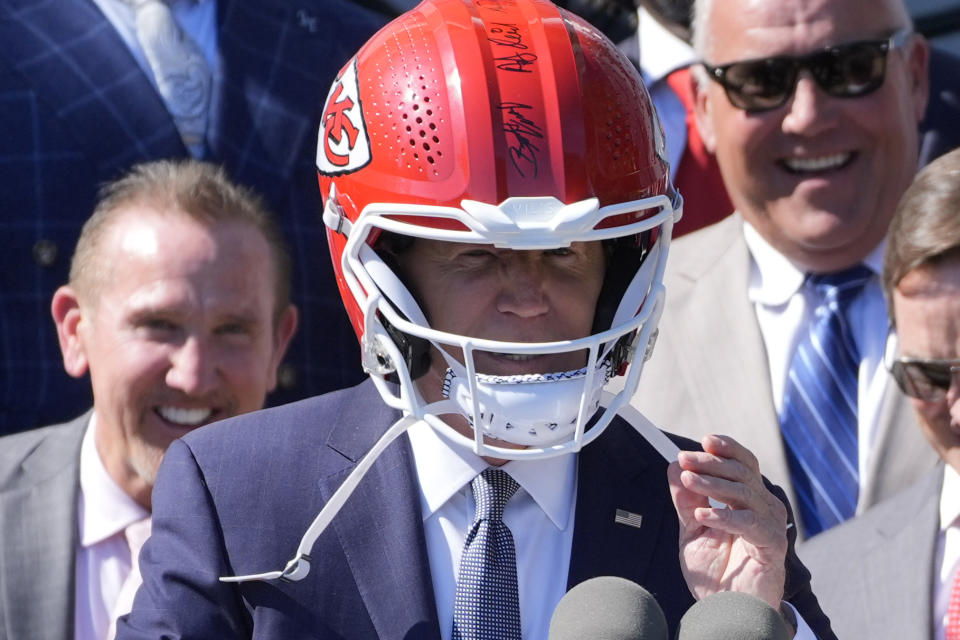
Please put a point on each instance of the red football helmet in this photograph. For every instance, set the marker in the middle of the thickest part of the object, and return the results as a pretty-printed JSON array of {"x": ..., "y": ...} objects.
[{"x": 506, "y": 122}]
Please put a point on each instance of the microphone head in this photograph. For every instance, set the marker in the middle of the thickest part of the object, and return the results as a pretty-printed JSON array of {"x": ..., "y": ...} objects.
[
  {"x": 730, "y": 615},
  {"x": 608, "y": 608}
]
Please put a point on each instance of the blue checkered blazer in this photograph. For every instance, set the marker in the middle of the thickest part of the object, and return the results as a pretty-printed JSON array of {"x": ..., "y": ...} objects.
[{"x": 76, "y": 110}]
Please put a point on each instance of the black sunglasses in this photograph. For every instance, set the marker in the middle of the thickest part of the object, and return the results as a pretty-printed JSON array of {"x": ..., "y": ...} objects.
[
  {"x": 842, "y": 71},
  {"x": 924, "y": 379}
]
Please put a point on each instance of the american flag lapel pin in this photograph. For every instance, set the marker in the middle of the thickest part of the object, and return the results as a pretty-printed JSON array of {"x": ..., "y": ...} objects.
[{"x": 622, "y": 516}]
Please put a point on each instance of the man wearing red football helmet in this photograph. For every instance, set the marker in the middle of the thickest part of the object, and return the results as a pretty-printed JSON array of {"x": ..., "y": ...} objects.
[{"x": 499, "y": 212}]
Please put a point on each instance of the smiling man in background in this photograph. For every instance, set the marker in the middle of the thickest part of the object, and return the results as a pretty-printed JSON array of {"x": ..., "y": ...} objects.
[
  {"x": 775, "y": 320},
  {"x": 178, "y": 306}
]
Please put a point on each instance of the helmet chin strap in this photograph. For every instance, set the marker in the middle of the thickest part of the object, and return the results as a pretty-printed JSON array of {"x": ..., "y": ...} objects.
[{"x": 299, "y": 566}]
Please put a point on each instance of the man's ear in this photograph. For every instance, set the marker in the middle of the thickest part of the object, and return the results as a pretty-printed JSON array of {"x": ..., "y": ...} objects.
[
  {"x": 918, "y": 65},
  {"x": 65, "y": 308},
  {"x": 703, "y": 109},
  {"x": 286, "y": 327}
]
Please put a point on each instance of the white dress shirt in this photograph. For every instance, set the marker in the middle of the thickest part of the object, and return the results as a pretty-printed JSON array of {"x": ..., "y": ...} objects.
[
  {"x": 102, "y": 555},
  {"x": 948, "y": 550},
  {"x": 784, "y": 307},
  {"x": 540, "y": 517}
]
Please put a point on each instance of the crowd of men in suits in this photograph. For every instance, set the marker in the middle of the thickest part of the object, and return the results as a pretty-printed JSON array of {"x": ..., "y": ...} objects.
[{"x": 184, "y": 292}]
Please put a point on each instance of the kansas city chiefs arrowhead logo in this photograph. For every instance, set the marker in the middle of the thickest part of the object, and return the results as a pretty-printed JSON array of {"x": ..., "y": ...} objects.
[{"x": 343, "y": 145}]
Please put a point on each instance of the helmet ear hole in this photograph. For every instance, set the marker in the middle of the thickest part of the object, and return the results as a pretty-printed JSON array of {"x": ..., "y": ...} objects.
[{"x": 415, "y": 350}]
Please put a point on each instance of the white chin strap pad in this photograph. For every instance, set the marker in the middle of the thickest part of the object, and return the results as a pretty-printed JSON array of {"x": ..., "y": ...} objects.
[{"x": 538, "y": 410}]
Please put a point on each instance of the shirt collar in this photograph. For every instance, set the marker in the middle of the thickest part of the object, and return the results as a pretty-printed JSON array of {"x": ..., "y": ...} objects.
[
  {"x": 949, "y": 505},
  {"x": 105, "y": 509},
  {"x": 774, "y": 279},
  {"x": 444, "y": 468}
]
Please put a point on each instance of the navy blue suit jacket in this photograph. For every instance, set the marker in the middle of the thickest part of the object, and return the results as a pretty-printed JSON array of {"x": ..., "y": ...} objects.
[
  {"x": 76, "y": 110},
  {"x": 940, "y": 128},
  {"x": 235, "y": 498}
]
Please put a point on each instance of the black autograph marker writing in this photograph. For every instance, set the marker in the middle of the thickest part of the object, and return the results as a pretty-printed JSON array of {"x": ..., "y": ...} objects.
[
  {"x": 506, "y": 35},
  {"x": 523, "y": 131},
  {"x": 516, "y": 62}
]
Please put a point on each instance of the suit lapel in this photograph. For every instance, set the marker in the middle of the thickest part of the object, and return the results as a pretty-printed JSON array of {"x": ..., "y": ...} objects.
[
  {"x": 898, "y": 571},
  {"x": 241, "y": 87},
  {"x": 39, "y": 525},
  {"x": 899, "y": 451},
  {"x": 734, "y": 368},
  {"x": 380, "y": 528},
  {"x": 620, "y": 471},
  {"x": 80, "y": 66},
  {"x": 267, "y": 92}
]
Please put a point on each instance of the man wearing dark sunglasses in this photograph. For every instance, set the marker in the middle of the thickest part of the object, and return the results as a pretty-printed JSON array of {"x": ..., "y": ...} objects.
[
  {"x": 906, "y": 550},
  {"x": 775, "y": 322}
]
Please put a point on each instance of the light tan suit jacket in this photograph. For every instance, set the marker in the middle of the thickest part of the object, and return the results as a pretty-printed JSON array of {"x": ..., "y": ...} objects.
[{"x": 709, "y": 371}]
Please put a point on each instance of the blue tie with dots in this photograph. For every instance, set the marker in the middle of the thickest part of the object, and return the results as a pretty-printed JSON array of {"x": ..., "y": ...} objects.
[
  {"x": 819, "y": 415},
  {"x": 487, "y": 606}
]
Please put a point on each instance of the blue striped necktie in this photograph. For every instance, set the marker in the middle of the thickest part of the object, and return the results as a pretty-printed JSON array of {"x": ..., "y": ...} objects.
[
  {"x": 819, "y": 415},
  {"x": 487, "y": 605}
]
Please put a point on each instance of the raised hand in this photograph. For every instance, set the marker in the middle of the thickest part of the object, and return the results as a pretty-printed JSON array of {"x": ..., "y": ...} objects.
[{"x": 738, "y": 548}]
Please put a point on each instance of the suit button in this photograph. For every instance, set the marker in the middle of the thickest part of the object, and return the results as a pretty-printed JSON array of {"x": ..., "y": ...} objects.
[{"x": 45, "y": 252}]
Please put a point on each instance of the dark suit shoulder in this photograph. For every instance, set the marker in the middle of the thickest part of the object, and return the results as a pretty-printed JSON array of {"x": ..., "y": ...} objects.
[
  {"x": 44, "y": 450},
  {"x": 939, "y": 133},
  {"x": 348, "y": 420}
]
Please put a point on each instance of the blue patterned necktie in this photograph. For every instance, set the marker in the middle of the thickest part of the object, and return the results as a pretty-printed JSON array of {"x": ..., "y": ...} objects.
[
  {"x": 819, "y": 415},
  {"x": 182, "y": 74},
  {"x": 487, "y": 605}
]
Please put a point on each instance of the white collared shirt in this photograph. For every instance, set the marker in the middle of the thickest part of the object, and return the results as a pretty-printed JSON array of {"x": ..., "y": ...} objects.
[
  {"x": 540, "y": 517},
  {"x": 783, "y": 308},
  {"x": 102, "y": 556},
  {"x": 948, "y": 550}
]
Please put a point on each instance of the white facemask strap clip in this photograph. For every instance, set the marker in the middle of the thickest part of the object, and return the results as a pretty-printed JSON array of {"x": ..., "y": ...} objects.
[{"x": 299, "y": 566}]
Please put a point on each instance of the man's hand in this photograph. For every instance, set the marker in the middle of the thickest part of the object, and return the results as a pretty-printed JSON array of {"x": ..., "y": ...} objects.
[{"x": 741, "y": 547}]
